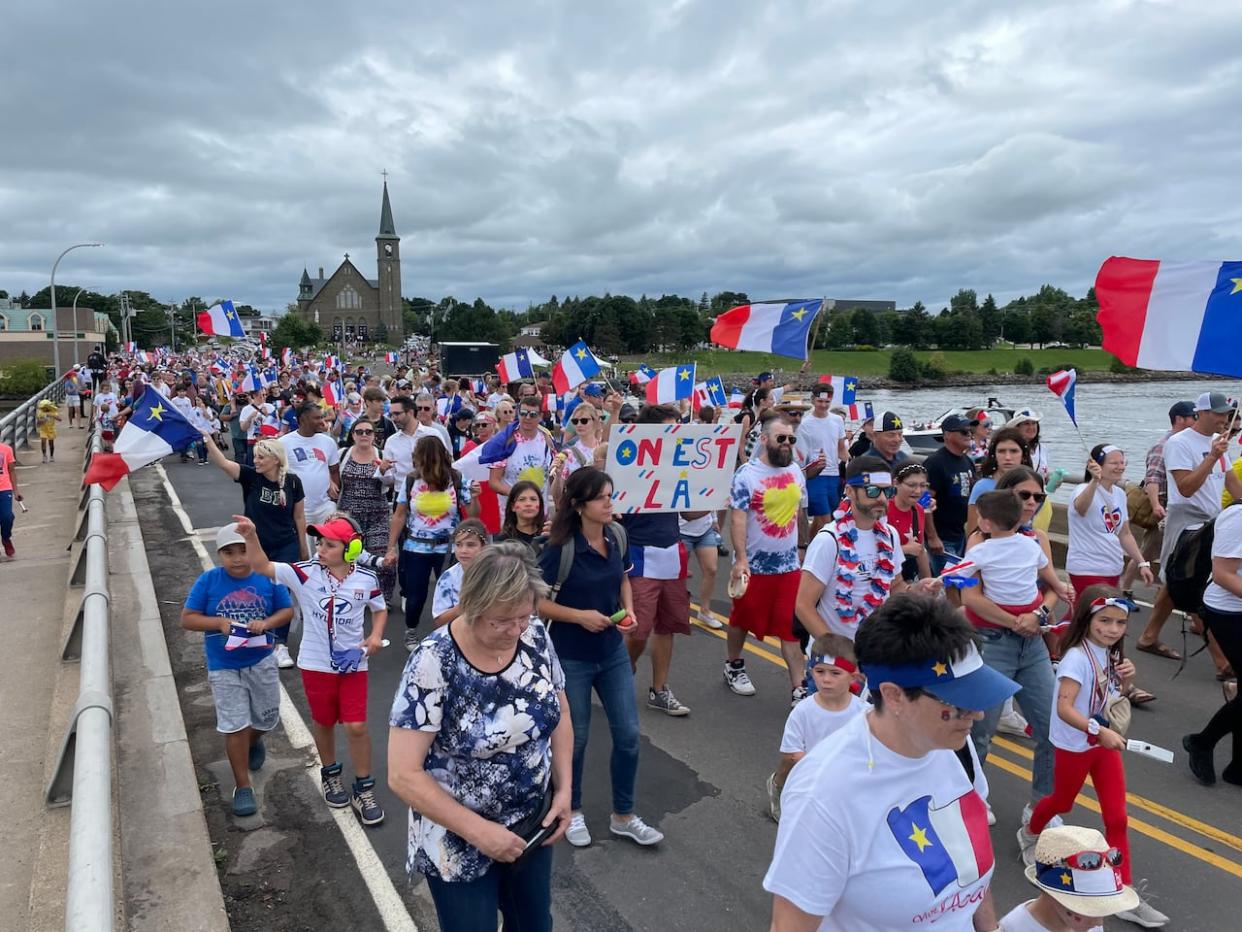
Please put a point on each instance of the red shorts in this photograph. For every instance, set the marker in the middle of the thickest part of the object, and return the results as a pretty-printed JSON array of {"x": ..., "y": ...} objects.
[
  {"x": 768, "y": 606},
  {"x": 1080, "y": 583},
  {"x": 980, "y": 622},
  {"x": 336, "y": 697},
  {"x": 662, "y": 606}
]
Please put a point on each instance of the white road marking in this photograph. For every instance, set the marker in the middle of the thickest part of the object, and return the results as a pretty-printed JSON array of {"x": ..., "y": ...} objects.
[{"x": 393, "y": 914}]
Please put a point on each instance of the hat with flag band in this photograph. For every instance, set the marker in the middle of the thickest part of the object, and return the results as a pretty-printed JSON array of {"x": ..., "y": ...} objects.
[
  {"x": 1096, "y": 893},
  {"x": 964, "y": 681}
]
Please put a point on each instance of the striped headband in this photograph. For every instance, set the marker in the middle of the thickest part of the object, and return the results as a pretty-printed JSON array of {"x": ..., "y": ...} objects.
[
  {"x": 840, "y": 663},
  {"x": 1098, "y": 604}
]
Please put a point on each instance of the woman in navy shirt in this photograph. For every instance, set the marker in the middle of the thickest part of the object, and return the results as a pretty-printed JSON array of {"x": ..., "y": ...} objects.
[{"x": 590, "y": 646}]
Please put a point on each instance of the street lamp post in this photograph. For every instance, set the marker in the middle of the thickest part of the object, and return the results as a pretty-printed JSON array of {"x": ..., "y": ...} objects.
[
  {"x": 55, "y": 322},
  {"x": 75, "y": 324}
]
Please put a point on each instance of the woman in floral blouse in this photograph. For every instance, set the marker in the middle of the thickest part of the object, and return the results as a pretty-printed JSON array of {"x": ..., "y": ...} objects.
[{"x": 480, "y": 745}]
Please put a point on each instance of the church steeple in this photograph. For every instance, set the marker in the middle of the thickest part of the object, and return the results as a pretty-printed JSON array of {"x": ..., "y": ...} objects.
[
  {"x": 304, "y": 286},
  {"x": 387, "y": 227}
]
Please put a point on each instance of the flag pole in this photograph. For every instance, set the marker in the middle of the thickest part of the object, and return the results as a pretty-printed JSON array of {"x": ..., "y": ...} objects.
[{"x": 819, "y": 319}]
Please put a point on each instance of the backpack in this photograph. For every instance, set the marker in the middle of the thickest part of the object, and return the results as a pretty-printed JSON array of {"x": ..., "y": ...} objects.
[
  {"x": 619, "y": 537},
  {"x": 1189, "y": 568}
]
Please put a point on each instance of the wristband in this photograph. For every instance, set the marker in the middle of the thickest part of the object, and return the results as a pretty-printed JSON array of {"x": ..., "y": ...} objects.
[
  {"x": 1145, "y": 563},
  {"x": 1093, "y": 732}
]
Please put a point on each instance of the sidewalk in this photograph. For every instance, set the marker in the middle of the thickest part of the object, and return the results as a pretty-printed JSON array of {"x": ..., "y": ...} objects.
[{"x": 33, "y": 591}]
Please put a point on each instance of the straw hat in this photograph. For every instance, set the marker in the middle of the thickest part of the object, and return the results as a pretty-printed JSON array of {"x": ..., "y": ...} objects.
[
  {"x": 793, "y": 401},
  {"x": 1096, "y": 893}
]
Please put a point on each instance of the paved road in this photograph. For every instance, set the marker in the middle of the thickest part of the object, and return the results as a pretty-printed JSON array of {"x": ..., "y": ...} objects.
[{"x": 701, "y": 782}]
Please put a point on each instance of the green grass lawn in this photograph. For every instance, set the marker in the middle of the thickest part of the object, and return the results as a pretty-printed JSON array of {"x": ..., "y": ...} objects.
[{"x": 875, "y": 362}]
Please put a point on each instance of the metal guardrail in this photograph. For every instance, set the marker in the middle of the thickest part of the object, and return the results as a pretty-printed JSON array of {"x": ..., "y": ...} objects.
[
  {"x": 83, "y": 774},
  {"x": 18, "y": 426}
]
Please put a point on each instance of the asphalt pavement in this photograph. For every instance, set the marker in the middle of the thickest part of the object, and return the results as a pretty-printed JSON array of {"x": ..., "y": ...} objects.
[{"x": 701, "y": 782}]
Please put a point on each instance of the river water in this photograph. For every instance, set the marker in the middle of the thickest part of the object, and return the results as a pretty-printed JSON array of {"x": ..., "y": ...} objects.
[{"x": 1131, "y": 415}]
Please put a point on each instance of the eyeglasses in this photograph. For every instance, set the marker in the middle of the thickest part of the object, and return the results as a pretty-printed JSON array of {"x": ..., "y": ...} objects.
[
  {"x": 958, "y": 711},
  {"x": 580, "y": 420},
  {"x": 1092, "y": 860},
  {"x": 498, "y": 624},
  {"x": 1038, "y": 497},
  {"x": 915, "y": 486},
  {"x": 785, "y": 438},
  {"x": 425, "y": 408},
  {"x": 529, "y": 414}
]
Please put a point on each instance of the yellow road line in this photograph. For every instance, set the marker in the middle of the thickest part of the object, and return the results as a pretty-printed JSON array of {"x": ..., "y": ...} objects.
[
  {"x": 1140, "y": 802},
  {"x": 724, "y": 620},
  {"x": 1145, "y": 828}
]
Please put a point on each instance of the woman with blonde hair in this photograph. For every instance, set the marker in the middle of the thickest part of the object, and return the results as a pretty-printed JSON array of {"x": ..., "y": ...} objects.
[
  {"x": 588, "y": 427},
  {"x": 272, "y": 497}
]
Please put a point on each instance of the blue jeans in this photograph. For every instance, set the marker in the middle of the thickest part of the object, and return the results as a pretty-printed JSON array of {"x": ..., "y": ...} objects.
[
  {"x": 953, "y": 547},
  {"x": 613, "y": 680},
  {"x": 1025, "y": 660},
  {"x": 522, "y": 894},
  {"x": 6, "y": 515},
  {"x": 414, "y": 570}
]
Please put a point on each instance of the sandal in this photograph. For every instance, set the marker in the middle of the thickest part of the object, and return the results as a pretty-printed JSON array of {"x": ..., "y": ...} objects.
[
  {"x": 1139, "y": 696},
  {"x": 1226, "y": 674},
  {"x": 1160, "y": 649}
]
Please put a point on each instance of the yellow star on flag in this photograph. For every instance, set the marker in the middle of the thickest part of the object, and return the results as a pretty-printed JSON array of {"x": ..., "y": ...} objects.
[
  {"x": 1067, "y": 879},
  {"x": 919, "y": 837},
  {"x": 228, "y": 314},
  {"x": 798, "y": 314},
  {"x": 623, "y": 453},
  {"x": 939, "y": 668},
  {"x": 850, "y": 385},
  {"x": 582, "y": 353},
  {"x": 1237, "y": 285},
  {"x": 684, "y": 374},
  {"x": 157, "y": 412}
]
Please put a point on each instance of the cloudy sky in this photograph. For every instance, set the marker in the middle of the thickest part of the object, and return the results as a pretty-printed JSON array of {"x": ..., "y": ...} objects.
[{"x": 855, "y": 149}]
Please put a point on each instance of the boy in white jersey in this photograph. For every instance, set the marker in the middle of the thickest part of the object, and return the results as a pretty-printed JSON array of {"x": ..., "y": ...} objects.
[
  {"x": 833, "y": 668},
  {"x": 333, "y": 593}
]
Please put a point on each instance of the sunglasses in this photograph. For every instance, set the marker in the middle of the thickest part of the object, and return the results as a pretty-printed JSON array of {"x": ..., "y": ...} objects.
[
  {"x": 1039, "y": 497},
  {"x": 425, "y": 408},
  {"x": 531, "y": 414},
  {"x": 785, "y": 438},
  {"x": 1092, "y": 860},
  {"x": 958, "y": 711},
  {"x": 580, "y": 420},
  {"x": 875, "y": 491},
  {"x": 364, "y": 433}
]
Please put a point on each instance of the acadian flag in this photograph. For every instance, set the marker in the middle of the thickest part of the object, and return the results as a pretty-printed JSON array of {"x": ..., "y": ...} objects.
[
  {"x": 844, "y": 387},
  {"x": 576, "y": 365},
  {"x": 949, "y": 844},
  {"x": 392, "y": 358},
  {"x": 221, "y": 320},
  {"x": 253, "y": 380},
  {"x": 131, "y": 347},
  {"x": 642, "y": 375},
  {"x": 332, "y": 393},
  {"x": 553, "y": 403},
  {"x": 768, "y": 328},
  {"x": 154, "y": 430},
  {"x": 1182, "y": 316},
  {"x": 286, "y": 356},
  {"x": 1062, "y": 385},
  {"x": 671, "y": 385},
  {"x": 515, "y": 366},
  {"x": 737, "y": 398},
  {"x": 332, "y": 362},
  {"x": 217, "y": 368},
  {"x": 711, "y": 392},
  {"x": 863, "y": 410}
]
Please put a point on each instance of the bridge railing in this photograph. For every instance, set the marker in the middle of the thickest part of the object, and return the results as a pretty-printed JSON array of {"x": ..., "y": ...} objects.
[
  {"x": 83, "y": 774},
  {"x": 18, "y": 426}
]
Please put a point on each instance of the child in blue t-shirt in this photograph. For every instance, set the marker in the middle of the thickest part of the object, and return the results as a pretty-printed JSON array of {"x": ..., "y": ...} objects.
[{"x": 235, "y": 608}]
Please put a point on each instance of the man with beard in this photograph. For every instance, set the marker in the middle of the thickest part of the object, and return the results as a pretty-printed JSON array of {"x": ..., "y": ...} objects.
[{"x": 763, "y": 523}]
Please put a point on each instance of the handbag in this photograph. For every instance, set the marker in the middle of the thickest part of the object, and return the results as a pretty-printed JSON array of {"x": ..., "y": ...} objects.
[{"x": 531, "y": 829}]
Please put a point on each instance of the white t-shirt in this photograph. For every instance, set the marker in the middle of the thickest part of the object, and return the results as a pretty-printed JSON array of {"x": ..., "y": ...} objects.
[
  {"x": 1008, "y": 567},
  {"x": 1227, "y": 542},
  {"x": 310, "y": 459},
  {"x": 1019, "y": 919},
  {"x": 1094, "y": 542},
  {"x": 434, "y": 430},
  {"x": 448, "y": 590},
  {"x": 1186, "y": 450},
  {"x": 869, "y": 839},
  {"x": 695, "y": 527},
  {"x": 821, "y": 562},
  {"x": 809, "y": 723},
  {"x": 315, "y": 589},
  {"x": 184, "y": 406},
  {"x": 1077, "y": 667},
  {"x": 530, "y": 460},
  {"x": 821, "y": 433}
]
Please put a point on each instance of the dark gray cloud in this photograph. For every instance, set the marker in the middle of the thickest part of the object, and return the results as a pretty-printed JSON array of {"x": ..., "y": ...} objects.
[{"x": 833, "y": 147}]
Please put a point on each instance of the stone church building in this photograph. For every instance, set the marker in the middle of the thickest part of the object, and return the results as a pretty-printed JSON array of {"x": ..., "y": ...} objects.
[{"x": 349, "y": 306}]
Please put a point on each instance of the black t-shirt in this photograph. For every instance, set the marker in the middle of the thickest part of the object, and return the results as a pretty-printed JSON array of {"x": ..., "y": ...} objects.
[
  {"x": 950, "y": 478},
  {"x": 96, "y": 362},
  {"x": 273, "y": 522}
]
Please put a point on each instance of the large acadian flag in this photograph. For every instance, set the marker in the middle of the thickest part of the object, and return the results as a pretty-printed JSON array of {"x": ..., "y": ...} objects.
[
  {"x": 154, "y": 430},
  {"x": 221, "y": 320},
  {"x": 576, "y": 365},
  {"x": 1183, "y": 316},
  {"x": 768, "y": 328},
  {"x": 672, "y": 384}
]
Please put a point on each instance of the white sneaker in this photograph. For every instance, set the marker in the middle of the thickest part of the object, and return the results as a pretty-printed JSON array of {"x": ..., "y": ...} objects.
[
  {"x": 1144, "y": 914},
  {"x": 1027, "y": 842},
  {"x": 1012, "y": 723},
  {"x": 736, "y": 679},
  {"x": 991, "y": 814},
  {"x": 578, "y": 834},
  {"x": 1055, "y": 822},
  {"x": 774, "y": 798},
  {"x": 283, "y": 660},
  {"x": 797, "y": 694},
  {"x": 635, "y": 830},
  {"x": 710, "y": 620}
]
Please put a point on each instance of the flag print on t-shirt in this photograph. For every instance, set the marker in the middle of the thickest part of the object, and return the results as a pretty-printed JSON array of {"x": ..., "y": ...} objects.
[
  {"x": 240, "y": 607},
  {"x": 949, "y": 844},
  {"x": 1112, "y": 518}
]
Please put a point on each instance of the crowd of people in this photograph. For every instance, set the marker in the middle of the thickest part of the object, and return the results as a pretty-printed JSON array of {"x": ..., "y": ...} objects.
[{"x": 916, "y": 605}]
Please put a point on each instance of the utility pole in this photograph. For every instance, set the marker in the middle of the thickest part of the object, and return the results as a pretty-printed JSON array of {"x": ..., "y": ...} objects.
[{"x": 172, "y": 320}]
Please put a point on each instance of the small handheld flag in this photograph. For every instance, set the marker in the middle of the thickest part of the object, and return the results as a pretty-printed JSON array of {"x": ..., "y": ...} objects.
[
  {"x": 576, "y": 365},
  {"x": 515, "y": 366},
  {"x": 154, "y": 430},
  {"x": 672, "y": 384},
  {"x": 1062, "y": 385},
  {"x": 221, "y": 320},
  {"x": 844, "y": 387},
  {"x": 642, "y": 375}
]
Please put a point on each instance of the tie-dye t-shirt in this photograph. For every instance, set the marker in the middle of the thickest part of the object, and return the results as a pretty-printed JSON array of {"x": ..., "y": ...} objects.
[
  {"x": 433, "y": 515},
  {"x": 530, "y": 460},
  {"x": 492, "y": 751},
  {"x": 770, "y": 496}
]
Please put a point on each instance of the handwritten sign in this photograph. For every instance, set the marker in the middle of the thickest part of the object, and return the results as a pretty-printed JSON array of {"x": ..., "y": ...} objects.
[{"x": 671, "y": 467}]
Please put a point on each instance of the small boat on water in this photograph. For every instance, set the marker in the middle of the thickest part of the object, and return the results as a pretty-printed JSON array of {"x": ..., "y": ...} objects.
[{"x": 924, "y": 437}]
